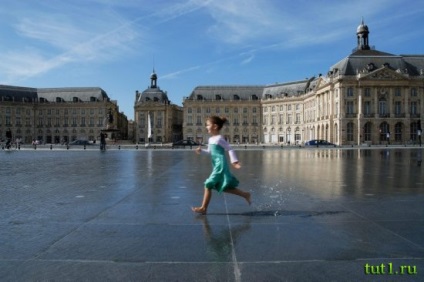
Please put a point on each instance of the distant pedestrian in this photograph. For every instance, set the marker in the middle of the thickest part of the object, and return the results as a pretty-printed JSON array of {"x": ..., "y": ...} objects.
[
  {"x": 8, "y": 138},
  {"x": 102, "y": 141},
  {"x": 221, "y": 179}
]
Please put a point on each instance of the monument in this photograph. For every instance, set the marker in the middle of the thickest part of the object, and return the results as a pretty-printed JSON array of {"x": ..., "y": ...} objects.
[{"x": 109, "y": 132}]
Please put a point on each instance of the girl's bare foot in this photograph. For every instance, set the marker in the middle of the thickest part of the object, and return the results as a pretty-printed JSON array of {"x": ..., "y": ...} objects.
[
  {"x": 248, "y": 198},
  {"x": 199, "y": 210}
]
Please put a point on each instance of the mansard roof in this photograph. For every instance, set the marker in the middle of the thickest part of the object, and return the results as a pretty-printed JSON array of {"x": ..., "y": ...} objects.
[
  {"x": 289, "y": 89},
  {"x": 227, "y": 92},
  {"x": 69, "y": 94},
  {"x": 15, "y": 93}
]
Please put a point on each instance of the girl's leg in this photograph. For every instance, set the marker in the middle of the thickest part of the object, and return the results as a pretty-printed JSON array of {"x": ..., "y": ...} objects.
[
  {"x": 238, "y": 192},
  {"x": 205, "y": 203}
]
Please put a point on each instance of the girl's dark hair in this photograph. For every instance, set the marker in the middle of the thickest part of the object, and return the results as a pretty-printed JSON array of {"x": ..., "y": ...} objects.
[{"x": 219, "y": 121}]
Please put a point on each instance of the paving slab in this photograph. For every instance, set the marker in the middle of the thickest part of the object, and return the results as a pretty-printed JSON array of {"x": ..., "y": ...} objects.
[{"x": 125, "y": 215}]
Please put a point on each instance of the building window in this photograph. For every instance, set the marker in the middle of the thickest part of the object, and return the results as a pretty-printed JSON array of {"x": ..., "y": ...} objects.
[
  {"x": 414, "y": 108},
  {"x": 349, "y": 131},
  {"x": 413, "y": 92},
  {"x": 349, "y": 107},
  {"x": 254, "y": 110},
  {"x": 350, "y": 92},
  {"x": 398, "y": 108},
  {"x": 367, "y": 92},
  {"x": 382, "y": 107},
  {"x": 289, "y": 119},
  {"x": 398, "y": 93},
  {"x": 189, "y": 110},
  {"x": 398, "y": 132},
  {"x": 414, "y": 130},
  {"x": 367, "y": 108},
  {"x": 367, "y": 131},
  {"x": 254, "y": 121}
]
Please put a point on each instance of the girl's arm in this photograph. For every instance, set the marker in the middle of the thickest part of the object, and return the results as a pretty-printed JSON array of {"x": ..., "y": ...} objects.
[{"x": 224, "y": 144}]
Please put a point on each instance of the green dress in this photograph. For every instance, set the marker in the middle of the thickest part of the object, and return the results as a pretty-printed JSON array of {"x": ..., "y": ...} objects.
[{"x": 221, "y": 177}]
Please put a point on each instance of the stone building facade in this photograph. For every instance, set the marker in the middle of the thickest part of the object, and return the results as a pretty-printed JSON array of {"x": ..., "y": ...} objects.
[
  {"x": 369, "y": 97},
  {"x": 239, "y": 104},
  {"x": 57, "y": 115},
  {"x": 156, "y": 119}
]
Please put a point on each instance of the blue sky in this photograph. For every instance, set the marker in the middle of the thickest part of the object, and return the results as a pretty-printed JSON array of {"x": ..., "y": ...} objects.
[{"x": 115, "y": 44}]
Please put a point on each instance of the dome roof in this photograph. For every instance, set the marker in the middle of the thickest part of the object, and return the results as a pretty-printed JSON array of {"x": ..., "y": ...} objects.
[
  {"x": 362, "y": 28},
  {"x": 154, "y": 95}
]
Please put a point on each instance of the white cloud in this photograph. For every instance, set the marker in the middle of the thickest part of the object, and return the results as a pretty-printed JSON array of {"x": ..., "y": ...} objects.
[
  {"x": 248, "y": 59},
  {"x": 52, "y": 41}
]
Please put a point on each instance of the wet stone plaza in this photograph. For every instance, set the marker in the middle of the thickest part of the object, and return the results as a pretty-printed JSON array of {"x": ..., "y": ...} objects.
[{"x": 125, "y": 215}]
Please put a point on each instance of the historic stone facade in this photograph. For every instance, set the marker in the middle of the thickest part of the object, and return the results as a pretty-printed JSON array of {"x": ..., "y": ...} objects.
[
  {"x": 240, "y": 104},
  {"x": 155, "y": 118},
  {"x": 369, "y": 97},
  {"x": 57, "y": 115}
]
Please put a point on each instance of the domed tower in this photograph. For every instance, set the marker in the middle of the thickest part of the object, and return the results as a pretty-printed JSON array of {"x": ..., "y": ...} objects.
[
  {"x": 155, "y": 118},
  {"x": 362, "y": 35},
  {"x": 152, "y": 93}
]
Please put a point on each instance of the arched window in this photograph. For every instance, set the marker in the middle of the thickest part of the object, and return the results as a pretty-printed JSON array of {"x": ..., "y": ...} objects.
[
  {"x": 384, "y": 130},
  {"x": 398, "y": 131},
  {"x": 349, "y": 131},
  {"x": 367, "y": 131}
]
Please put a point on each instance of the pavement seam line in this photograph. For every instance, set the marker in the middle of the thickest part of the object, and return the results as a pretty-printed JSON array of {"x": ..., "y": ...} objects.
[{"x": 237, "y": 272}]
